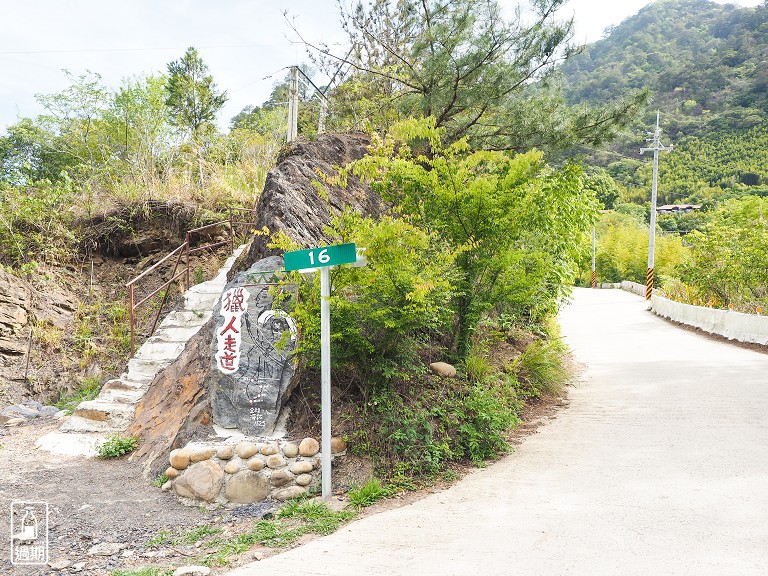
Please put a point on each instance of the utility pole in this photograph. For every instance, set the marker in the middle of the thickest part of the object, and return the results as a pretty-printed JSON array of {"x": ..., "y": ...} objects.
[
  {"x": 293, "y": 106},
  {"x": 652, "y": 237},
  {"x": 594, "y": 250}
]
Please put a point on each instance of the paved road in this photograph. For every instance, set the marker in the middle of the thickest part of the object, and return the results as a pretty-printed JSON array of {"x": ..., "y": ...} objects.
[{"x": 658, "y": 467}]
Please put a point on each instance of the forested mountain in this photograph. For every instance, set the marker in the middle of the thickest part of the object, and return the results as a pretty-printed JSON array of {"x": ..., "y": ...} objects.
[{"x": 706, "y": 66}]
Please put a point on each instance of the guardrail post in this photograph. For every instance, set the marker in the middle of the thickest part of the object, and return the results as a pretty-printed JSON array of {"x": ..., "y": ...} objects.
[
  {"x": 133, "y": 320},
  {"x": 231, "y": 232},
  {"x": 187, "y": 243}
]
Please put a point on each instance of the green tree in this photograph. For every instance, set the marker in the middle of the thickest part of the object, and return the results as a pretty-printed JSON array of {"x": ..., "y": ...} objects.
[
  {"x": 462, "y": 63},
  {"x": 193, "y": 100},
  {"x": 518, "y": 226},
  {"x": 600, "y": 182}
]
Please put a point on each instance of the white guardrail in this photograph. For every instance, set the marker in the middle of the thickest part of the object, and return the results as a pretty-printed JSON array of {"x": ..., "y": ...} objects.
[{"x": 732, "y": 325}]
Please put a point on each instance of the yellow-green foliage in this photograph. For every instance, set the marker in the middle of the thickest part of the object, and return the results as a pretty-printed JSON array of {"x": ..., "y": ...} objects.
[{"x": 622, "y": 250}]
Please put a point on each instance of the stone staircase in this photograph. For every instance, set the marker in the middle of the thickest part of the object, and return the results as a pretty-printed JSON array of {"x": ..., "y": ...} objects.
[{"x": 113, "y": 410}]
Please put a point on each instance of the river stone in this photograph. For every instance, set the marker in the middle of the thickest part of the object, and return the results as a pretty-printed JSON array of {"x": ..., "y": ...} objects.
[
  {"x": 443, "y": 369},
  {"x": 337, "y": 445},
  {"x": 309, "y": 447},
  {"x": 246, "y": 449},
  {"x": 304, "y": 479},
  {"x": 275, "y": 461},
  {"x": 301, "y": 467},
  {"x": 255, "y": 464},
  {"x": 269, "y": 449},
  {"x": 180, "y": 458},
  {"x": 233, "y": 466},
  {"x": 192, "y": 571},
  {"x": 251, "y": 353},
  {"x": 49, "y": 411},
  {"x": 202, "y": 481},
  {"x": 171, "y": 472},
  {"x": 288, "y": 493},
  {"x": 291, "y": 450},
  {"x": 246, "y": 487},
  {"x": 200, "y": 454},
  {"x": 281, "y": 477},
  {"x": 21, "y": 411},
  {"x": 225, "y": 453},
  {"x": 106, "y": 549}
]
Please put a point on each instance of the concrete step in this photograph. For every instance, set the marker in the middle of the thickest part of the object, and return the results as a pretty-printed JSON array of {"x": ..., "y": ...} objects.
[
  {"x": 116, "y": 415},
  {"x": 182, "y": 319},
  {"x": 78, "y": 424},
  {"x": 159, "y": 349},
  {"x": 122, "y": 396},
  {"x": 140, "y": 370}
]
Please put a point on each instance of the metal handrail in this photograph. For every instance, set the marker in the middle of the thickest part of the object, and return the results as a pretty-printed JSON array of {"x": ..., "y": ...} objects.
[{"x": 184, "y": 250}]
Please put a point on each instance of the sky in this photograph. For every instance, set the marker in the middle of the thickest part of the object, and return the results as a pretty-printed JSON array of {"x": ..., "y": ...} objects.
[{"x": 247, "y": 44}]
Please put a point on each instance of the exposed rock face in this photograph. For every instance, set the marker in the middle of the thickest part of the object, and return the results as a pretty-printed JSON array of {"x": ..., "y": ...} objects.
[
  {"x": 175, "y": 409},
  {"x": 251, "y": 353},
  {"x": 291, "y": 201},
  {"x": 15, "y": 303}
]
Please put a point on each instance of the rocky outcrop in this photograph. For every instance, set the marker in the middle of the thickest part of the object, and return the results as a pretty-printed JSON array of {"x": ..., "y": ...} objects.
[
  {"x": 292, "y": 200},
  {"x": 176, "y": 407},
  {"x": 15, "y": 306}
]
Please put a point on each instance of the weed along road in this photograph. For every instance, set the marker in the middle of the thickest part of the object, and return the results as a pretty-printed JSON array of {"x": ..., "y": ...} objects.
[{"x": 658, "y": 467}]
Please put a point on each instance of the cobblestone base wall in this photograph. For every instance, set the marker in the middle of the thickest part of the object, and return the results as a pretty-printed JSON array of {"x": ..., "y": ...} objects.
[{"x": 246, "y": 471}]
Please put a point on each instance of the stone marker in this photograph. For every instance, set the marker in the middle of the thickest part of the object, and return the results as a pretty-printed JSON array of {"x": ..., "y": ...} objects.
[{"x": 251, "y": 352}]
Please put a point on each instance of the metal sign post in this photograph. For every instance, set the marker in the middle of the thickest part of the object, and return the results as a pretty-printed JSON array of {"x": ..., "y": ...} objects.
[{"x": 323, "y": 258}]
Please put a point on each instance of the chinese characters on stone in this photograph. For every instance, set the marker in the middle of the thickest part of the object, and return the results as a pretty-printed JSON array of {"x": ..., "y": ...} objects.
[{"x": 234, "y": 303}]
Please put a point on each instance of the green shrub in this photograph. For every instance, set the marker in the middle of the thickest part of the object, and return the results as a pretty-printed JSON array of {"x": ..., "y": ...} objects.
[
  {"x": 116, "y": 446},
  {"x": 541, "y": 369},
  {"x": 367, "y": 494},
  {"x": 88, "y": 390}
]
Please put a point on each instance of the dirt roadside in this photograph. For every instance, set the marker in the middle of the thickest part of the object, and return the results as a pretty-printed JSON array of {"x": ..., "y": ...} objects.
[{"x": 103, "y": 514}]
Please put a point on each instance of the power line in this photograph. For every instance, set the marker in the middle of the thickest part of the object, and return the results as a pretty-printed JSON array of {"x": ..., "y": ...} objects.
[{"x": 85, "y": 50}]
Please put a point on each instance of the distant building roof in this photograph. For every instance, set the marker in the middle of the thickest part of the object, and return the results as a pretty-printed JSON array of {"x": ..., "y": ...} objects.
[{"x": 672, "y": 208}]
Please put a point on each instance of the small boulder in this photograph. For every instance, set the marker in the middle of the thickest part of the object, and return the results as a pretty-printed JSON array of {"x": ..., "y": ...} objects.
[
  {"x": 180, "y": 458},
  {"x": 202, "y": 481},
  {"x": 202, "y": 453},
  {"x": 255, "y": 464},
  {"x": 291, "y": 450},
  {"x": 288, "y": 493},
  {"x": 281, "y": 477},
  {"x": 443, "y": 369},
  {"x": 225, "y": 453},
  {"x": 309, "y": 447},
  {"x": 304, "y": 479},
  {"x": 337, "y": 445},
  {"x": 301, "y": 467},
  {"x": 246, "y": 449},
  {"x": 247, "y": 487},
  {"x": 275, "y": 461},
  {"x": 269, "y": 449}
]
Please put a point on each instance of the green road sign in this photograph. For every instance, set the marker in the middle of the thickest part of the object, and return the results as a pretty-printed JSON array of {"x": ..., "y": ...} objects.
[{"x": 322, "y": 256}]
